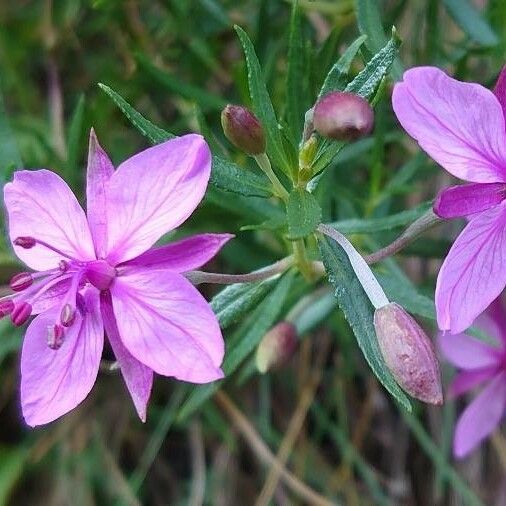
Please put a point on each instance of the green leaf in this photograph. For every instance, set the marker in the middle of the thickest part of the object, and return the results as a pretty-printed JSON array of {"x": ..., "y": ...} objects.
[
  {"x": 243, "y": 342},
  {"x": 337, "y": 78},
  {"x": 232, "y": 303},
  {"x": 225, "y": 175},
  {"x": 359, "y": 313},
  {"x": 469, "y": 18},
  {"x": 304, "y": 214},
  {"x": 74, "y": 142},
  {"x": 262, "y": 105},
  {"x": 297, "y": 101},
  {"x": 12, "y": 464}
]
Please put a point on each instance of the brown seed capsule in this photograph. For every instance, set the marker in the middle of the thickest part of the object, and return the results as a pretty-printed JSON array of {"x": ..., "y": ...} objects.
[
  {"x": 276, "y": 347},
  {"x": 243, "y": 130},
  {"x": 343, "y": 116},
  {"x": 408, "y": 353}
]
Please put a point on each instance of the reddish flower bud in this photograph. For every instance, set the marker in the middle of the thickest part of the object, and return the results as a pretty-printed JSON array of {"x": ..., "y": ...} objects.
[
  {"x": 243, "y": 130},
  {"x": 343, "y": 116},
  {"x": 408, "y": 353},
  {"x": 276, "y": 347},
  {"x": 20, "y": 313},
  {"x": 25, "y": 242},
  {"x": 21, "y": 281}
]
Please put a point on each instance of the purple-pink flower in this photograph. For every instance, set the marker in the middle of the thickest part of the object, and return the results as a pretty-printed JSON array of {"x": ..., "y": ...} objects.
[
  {"x": 98, "y": 271},
  {"x": 462, "y": 127},
  {"x": 479, "y": 363}
]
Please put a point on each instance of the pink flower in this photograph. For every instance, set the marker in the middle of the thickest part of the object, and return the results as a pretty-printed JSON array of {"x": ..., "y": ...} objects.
[
  {"x": 99, "y": 271},
  {"x": 479, "y": 363},
  {"x": 462, "y": 127}
]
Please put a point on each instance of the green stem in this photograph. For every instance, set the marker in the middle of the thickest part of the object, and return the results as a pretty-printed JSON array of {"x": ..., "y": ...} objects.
[
  {"x": 305, "y": 267},
  {"x": 265, "y": 164}
]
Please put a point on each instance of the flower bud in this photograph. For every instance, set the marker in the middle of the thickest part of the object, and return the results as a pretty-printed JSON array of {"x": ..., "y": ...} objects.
[
  {"x": 343, "y": 116},
  {"x": 408, "y": 353},
  {"x": 243, "y": 130},
  {"x": 276, "y": 347}
]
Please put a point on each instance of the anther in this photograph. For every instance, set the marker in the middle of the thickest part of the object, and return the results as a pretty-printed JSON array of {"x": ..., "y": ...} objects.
[
  {"x": 63, "y": 265},
  {"x": 68, "y": 315},
  {"x": 20, "y": 313},
  {"x": 25, "y": 242},
  {"x": 6, "y": 307},
  {"x": 21, "y": 281},
  {"x": 55, "y": 334}
]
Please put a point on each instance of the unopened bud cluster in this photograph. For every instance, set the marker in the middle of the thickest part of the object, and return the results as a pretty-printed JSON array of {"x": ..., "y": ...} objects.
[{"x": 242, "y": 128}]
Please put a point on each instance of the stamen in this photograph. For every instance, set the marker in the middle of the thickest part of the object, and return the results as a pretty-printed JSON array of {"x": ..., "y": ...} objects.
[
  {"x": 30, "y": 242},
  {"x": 6, "y": 307},
  {"x": 20, "y": 313},
  {"x": 21, "y": 281},
  {"x": 67, "y": 315},
  {"x": 55, "y": 335}
]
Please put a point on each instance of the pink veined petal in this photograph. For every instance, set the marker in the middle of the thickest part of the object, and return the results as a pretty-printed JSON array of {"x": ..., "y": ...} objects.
[
  {"x": 500, "y": 89},
  {"x": 474, "y": 272},
  {"x": 494, "y": 321},
  {"x": 50, "y": 295},
  {"x": 53, "y": 382},
  {"x": 41, "y": 205},
  {"x": 467, "y": 352},
  {"x": 467, "y": 199},
  {"x": 467, "y": 380},
  {"x": 481, "y": 417},
  {"x": 165, "y": 323},
  {"x": 153, "y": 192},
  {"x": 99, "y": 171},
  {"x": 138, "y": 378},
  {"x": 184, "y": 255},
  {"x": 460, "y": 125}
]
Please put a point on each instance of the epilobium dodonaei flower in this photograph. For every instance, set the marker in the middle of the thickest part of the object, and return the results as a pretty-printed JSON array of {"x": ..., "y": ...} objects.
[
  {"x": 343, "y": 116},
  {"x": 480, "y": 364},
  {"x": 243, "y": 129},
  {"x": 408, "y": 353},
  {"x": 99, "y": 271},
  {"x": 462, "y": 127},
  {"x": 277, "y": 346}
]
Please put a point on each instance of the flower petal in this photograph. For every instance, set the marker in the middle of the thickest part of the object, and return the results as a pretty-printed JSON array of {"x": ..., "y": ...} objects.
[
  {"x": 500, "y": 89},
  {"x": 474, "y": 272},
  {"x": 53, "y": 382},
  {"x": 467, "y": 199},
  {"x": 41, "y": 205},
  {"x": 99, "y": 171},
  {"x": 460, "y": 125},
  {"x": 184, "y": 255},
  {"x": 165, "y": 323},
  {"x": 153, "y": 192},
  {"x": 138, "y": 377},
  {"x": 467, "y": 380},
  {"x": 481, "y": 417},
  {"x": 467, "y": 352}
]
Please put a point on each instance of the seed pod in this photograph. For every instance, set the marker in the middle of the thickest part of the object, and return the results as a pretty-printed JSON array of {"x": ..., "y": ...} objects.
[
  {"x": 243, "y": 130},
  {"x": 408, "y": 353},
  {"x": 343, "y": 116},
  {"x": 276, "y": 347}
]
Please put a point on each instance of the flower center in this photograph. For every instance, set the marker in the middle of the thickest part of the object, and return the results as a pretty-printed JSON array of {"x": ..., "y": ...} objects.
[{"x": 100, "y": 274}]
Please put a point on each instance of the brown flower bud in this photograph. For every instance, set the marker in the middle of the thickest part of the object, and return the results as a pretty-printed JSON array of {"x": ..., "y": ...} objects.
[
  {"x": 243, "y": 130},
  {"x": 343, "y": 116},
  {"x": 276, "y": 347},
  {"x": 408, "y": 353}
]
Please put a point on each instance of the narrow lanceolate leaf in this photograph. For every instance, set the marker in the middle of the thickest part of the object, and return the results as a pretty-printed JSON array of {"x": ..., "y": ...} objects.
[
  {"x": 243, "y": 342},
  {"x": 225, "y": 175},
  {"x": 467, "y": 16},
  {"x": 262, "y": 104},
  {"x": 337, "y": 77},
  {"x": 297, "y": 76},
  {"x": 304, "y": 214},
  {"x": 359, "y": 313}
]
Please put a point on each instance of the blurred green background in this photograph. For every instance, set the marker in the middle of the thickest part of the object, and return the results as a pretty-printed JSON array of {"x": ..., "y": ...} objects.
[{"x": 178, "y": 63}]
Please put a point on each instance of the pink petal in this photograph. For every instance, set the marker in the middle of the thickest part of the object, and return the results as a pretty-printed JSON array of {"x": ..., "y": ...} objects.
[
  {"x": 467, "y": 199},
  {"x": 100, "y": 169},
  {"x": 467, "y": 380},
  {"x": 138, "y": 378},
  {"x": 41, "y": 205},
  {"x": 153, "y": 192},
  {"x": 53, "y": 382},
  {"x": 481, "y": 417},
  {"x": 166, "y": 324},
  {"x": 500, "y": 89},
  {"x": 184, "y": 255},
  {"x": 467, "y": 352},
  {"x": 52, "y": 294},
  {"x": 460, "y": 125},
  {"x": 493, "y": 322},
  {"x": 474, "y": 272}
]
